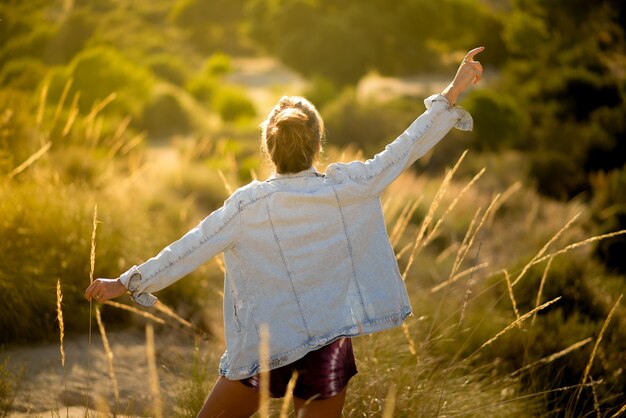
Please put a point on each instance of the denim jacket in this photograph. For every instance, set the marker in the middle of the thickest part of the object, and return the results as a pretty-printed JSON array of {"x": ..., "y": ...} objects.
[{"x": 307, "y": 254}]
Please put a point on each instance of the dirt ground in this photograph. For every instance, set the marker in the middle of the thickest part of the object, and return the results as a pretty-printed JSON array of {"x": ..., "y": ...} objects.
[{"x": 42, "y": 389}]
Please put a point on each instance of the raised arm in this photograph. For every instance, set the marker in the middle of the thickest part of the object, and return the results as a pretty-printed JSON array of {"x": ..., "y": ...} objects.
[{"x": 370, "y": 178}]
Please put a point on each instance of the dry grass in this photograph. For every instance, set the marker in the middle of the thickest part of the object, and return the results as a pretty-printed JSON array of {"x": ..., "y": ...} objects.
[
  {"x": 516, "y": 323},
  {"x": 595, "y": 349},
  {"x": 109, "y": 357},
  {"x": 284, "y": 408},
  {"x": 552, "y": 357},
  {"x": 155, "y": 390},
  {"x": 264, "y": 374},
  {"x": 431, "y": 213},
  {"x": 544, "y": 277},
  {"x": 61, "y": 336},
  {"x": 543, "y": 250},
  {"x": 512, "y": 296}
]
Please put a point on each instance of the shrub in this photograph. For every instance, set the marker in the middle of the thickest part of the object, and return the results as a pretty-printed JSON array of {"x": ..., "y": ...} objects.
[
  {"x": 369, "y": 125},
  {"x": 497, "y": 121},
  {"x": 232, "y": 103},
  {"x": 169, "y": 68},
  {"x": 22, "y": 73},
  {"x": 98, "y": 72},
  {"x": 202, "y": 88},
  {"x": 164, "y": 116},
  {"x": 218, "y": 64},
  {"x": 71, "y": 37}
]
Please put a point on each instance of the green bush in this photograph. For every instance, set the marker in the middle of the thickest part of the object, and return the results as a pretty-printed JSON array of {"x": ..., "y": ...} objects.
[
  {"x": 169, "y": 68},
  {"x": 609, "y": 209},
  {"x": 98, "y": 72},
  {"x": 202, "y": 88},
  {"x": 497, "y": 121},
  {"x": 71, "y": 37},
  {"x": 232, "y": 103},
  {"x": 218, "y": 64},
  {"x": 164, "y": 116},
  {"x": 28, "y": 44},
  {"x": 23, "y": 73},
  {"x": 366, "y": 124}
]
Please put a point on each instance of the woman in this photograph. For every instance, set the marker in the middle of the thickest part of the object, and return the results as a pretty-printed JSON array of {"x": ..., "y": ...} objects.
[{"x": 307, "y": 256}]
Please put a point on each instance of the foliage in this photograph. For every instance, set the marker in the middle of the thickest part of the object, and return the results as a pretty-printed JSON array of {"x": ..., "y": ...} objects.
[
  {"x": 343, "y": 43},
  {"x": 609, "y": 203},
  {"x": 10, "y": 381},
  {"x": 169, "y": 68},
  {"x": 165, "y": 116},
  {"x": 99, "y": 72},
  {"x": 232, "y": 103},
  {"x": 496, "y": 120}
]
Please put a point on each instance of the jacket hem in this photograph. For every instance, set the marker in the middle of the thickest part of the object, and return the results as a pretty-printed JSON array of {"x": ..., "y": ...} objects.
[{"x": 368, "y": 326}]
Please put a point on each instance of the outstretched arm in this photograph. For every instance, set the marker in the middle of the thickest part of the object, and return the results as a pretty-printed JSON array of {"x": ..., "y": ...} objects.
[
  {"x": 104, "y": 289},
  {"x": 370, "y": 178}
]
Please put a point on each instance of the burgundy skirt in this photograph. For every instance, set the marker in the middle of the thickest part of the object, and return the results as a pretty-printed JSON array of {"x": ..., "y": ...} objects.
[{"x": 322, "y": 373}]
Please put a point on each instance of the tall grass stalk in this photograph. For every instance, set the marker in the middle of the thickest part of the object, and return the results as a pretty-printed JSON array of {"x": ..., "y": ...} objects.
[
  {"x": 92, "y": 267},
  {"x": 544, "y": 276},
  {"x": 403, "y": 220},
  {"x": 227, "y": 186},
  {"x": 596, "y": 403},
  {"x": 515, "y": 323},
  {"x": 390, "y": 402},
  {"x": 512, "y": 189},
  {"x": 42, "y": 105},
  {"x": 410, "y": 341},
  {"x": 433, "y": 233},
  {"x": 72, "y": 116},
  {"x": 159, "y": 306},
  {"x": 552, "y": 357},
  {"x": 61, "y": 103},
  {"x": 595, "y": 349},
  {"x": 468, "y": 291},
  {"x": 431, "y": 212},
  {"x": 579, "y": 244},
  {"x": 517, "y": 398},
  {"x": 512, "y": 295},
  {"x": 465, "y": 249},
  {"x": 461, "y": 250},
  {"x": 30, "y": 160},
  {"x": 134, "y": 310},
  {"x": 152, "y": 370},
  {"x": 61, "y": 336},
  {"x": 109, "y": 356},
  {"x": 284, "y": 408},
  {"x": 459, "y": 275},
  {"x": 545, "y": 248},
  {"x": 264, "y": 374}
]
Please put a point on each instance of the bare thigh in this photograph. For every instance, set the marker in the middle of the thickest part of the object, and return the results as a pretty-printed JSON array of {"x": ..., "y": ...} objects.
[
  {"x": 327, "y": 408},
  {"x": 230, "y": 399}
]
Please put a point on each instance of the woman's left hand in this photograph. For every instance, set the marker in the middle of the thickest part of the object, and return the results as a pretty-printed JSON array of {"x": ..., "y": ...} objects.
[
  {"x": 469, "y": 72},
  {"x": 104, "y": 289}
]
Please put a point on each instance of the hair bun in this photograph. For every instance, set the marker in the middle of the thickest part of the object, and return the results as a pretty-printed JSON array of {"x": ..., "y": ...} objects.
[{"x": 291, "y": 118}]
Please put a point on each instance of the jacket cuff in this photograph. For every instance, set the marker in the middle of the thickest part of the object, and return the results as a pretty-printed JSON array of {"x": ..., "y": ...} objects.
[
  {"x": 131, "y": 280},
  {"x": 465, "y": 121}
]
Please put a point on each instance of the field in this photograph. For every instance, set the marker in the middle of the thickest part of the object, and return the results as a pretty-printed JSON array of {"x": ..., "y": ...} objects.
[{"x": 113, "y": 143}]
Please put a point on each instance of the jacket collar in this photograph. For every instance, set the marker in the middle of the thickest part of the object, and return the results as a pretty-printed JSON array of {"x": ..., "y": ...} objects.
[{"x": 310, "y": 172}]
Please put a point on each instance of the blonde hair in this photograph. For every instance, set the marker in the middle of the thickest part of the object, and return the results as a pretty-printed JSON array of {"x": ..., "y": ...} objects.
[{"x": 292, "y": 134}]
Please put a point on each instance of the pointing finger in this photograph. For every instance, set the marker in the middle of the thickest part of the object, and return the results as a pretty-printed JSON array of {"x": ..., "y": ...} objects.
[{"x": 470, "y": 55}]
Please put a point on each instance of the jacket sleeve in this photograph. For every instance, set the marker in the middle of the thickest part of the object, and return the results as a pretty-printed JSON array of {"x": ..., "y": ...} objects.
[
  {"x": 214, "y": 234},
  {"x": 371, "y": 177}
]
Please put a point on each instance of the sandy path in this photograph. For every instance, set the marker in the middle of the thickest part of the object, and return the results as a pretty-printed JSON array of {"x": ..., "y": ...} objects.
[{"x": 42, "y": 388}]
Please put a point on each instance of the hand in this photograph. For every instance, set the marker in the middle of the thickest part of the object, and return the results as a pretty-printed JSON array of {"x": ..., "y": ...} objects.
[
  {"x": 104, "y": 289},
  {"x": 469, "y": 72}
]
